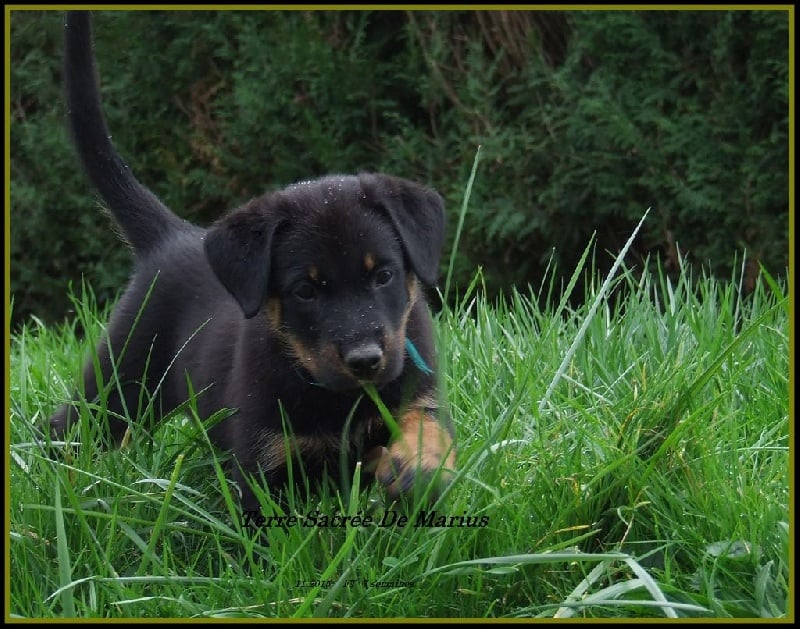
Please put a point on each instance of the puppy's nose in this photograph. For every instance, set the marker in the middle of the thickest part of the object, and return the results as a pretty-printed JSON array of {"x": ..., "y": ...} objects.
[{"x": 363, "y": 361}]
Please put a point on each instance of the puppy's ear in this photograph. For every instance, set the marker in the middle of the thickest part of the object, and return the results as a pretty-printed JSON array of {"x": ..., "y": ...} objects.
[
  {"x": 417, "y": 213},
  {"x": 238, "y": 247}
]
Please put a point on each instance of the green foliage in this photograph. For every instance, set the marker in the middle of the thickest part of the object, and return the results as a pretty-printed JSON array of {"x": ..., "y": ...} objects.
[
  {"x": 648, "y": 475},
  {"x": 585, "y": 119},
  {"x": 56, "y": 232},
  {"x": 682, "y": 111}
]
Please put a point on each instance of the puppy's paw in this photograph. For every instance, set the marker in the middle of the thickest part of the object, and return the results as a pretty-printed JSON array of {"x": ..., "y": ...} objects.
[{"x": 424, "y": 454}]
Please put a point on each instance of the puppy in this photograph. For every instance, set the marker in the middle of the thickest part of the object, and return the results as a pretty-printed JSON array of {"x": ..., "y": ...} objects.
[{"x": 281, "y": 311}]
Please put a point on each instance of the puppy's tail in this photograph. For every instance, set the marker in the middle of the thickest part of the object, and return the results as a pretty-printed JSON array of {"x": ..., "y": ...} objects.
[{"x": 145, "y": 221}]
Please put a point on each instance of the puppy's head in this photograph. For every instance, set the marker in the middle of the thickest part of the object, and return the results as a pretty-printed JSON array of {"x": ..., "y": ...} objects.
[{"x": 333, "y": 266}]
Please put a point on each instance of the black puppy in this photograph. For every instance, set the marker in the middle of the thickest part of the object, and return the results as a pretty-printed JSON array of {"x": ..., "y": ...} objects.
[{"x": 284, "y": 308}]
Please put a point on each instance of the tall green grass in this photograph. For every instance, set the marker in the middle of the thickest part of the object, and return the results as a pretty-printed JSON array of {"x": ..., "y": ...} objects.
[{"x": 645, "y": 476}]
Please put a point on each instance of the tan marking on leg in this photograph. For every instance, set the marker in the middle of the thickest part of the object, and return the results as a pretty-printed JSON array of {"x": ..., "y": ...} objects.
[
  {"x": 424, "y": 448},
  {"x": 318, "y": 447},
  {"x": 426, "y": 440},
  {"x": 427, "y": 403},
  {"x": 273, "y": 448}
]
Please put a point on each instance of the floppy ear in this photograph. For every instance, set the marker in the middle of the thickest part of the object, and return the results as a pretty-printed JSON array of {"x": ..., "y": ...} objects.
[
  {"x": 417, "y": 213},
  {"x": 238, "y": 248}
]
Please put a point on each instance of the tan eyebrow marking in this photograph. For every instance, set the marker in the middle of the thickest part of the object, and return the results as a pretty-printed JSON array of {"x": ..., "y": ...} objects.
[{"x": 369, "y": 262}]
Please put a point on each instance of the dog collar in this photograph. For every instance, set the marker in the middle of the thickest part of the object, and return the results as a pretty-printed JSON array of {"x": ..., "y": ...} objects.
[{"x": 416, "y": 358}]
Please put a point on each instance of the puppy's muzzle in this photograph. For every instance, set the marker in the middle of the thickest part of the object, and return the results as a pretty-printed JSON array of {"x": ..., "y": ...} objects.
[{"x": 363, "y": 361}]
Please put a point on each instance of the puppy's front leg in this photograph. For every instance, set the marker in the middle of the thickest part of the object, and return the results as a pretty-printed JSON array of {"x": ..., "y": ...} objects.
[{"x": 424, "y": 452}]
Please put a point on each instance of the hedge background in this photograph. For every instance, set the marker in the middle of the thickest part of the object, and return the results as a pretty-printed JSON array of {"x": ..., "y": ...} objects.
[{"x": 585, "y": 119}]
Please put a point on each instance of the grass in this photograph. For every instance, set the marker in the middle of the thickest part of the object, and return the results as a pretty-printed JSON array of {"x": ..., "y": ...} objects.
[
  {"x": 646, "y": 476},
  {"x": 627, "y": 458}
]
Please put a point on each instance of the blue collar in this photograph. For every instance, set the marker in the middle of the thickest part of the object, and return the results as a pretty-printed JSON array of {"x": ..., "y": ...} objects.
[{"x": 418, "y": 360}]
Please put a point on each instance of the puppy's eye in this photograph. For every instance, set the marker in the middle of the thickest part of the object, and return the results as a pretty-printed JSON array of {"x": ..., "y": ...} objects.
[
  {"x": 305, "y": 291},
  {"x": 383, "y": 277}
]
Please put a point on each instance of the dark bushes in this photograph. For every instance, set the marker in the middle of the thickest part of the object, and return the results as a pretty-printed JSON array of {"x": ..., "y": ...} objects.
[{"x": 585, "y": 119}]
